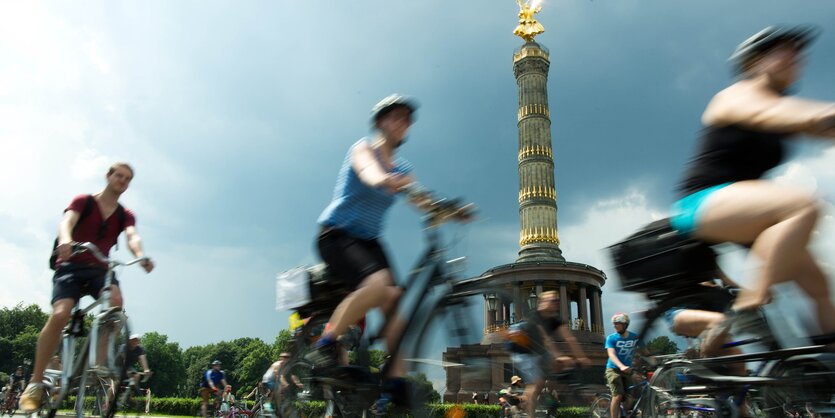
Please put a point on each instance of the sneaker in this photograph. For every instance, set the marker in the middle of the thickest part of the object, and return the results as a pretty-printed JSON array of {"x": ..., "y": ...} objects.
[
  {"x": 749, "y": 322},
  {"x": 31, "y": 398},
  {"x": 325, "y": 356},
  {"x": 381, "y": 406}
]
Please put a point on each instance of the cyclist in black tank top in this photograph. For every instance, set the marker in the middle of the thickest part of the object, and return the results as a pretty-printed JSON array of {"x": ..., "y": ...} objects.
[
  {"x": 746, "y": 126},
  {"x": 732, "y": 153}
]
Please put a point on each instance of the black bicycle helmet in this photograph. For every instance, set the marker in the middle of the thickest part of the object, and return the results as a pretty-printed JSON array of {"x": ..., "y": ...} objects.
[
  {"x": 768, "y": 38},
  {"x": 216, "y": 363},
  {"x": 390, "y": 103}
]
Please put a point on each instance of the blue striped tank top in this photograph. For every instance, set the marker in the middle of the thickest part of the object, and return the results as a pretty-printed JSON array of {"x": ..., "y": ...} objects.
[{"x": 358, "y": 208}]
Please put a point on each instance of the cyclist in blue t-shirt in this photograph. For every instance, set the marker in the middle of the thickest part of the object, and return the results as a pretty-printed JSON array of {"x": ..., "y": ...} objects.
[
  {"x": 212, "y": 378},
  {"x": 621, "y": 347}
]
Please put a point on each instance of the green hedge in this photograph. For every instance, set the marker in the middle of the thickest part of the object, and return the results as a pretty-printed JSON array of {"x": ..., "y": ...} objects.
[
  {"x": 190, "y": 407},
  {"x": 168, "y": 406},
  {"x": 438, "y": 410},
  {"x": 175, "y": 406}
]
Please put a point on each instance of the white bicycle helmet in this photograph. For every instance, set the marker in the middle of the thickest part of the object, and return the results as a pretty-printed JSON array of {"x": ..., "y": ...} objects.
[
  {"x": 390, "y": 103},
  {"x": 770, "y": 37},
  {"x": 620, "y": 318}
]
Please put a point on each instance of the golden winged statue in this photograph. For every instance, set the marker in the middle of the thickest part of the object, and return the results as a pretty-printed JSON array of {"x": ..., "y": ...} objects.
[{"x": 528, "y": 26}]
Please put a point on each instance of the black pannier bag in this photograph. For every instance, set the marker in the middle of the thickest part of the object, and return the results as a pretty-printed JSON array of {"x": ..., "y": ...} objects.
[
  {"x": 326, "y": 291},
  {"x": 657, "y": 260}
]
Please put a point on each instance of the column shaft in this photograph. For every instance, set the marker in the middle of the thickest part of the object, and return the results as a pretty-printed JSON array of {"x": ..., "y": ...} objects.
[
  {"x": 564, "y": 303},
  {"x": 582, "y": 308}
]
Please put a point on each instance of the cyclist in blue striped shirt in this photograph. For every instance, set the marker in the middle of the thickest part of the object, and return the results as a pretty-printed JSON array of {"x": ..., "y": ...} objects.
[{"x": 367, "y": 185}]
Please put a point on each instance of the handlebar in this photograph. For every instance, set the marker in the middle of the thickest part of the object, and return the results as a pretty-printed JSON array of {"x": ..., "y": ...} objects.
[
  {"x": 80, "y": 247},
  {"x": 438, "y": 209}
]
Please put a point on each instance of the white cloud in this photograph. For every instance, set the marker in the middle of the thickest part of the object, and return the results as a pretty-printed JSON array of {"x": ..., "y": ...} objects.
[
  {"x": 607, "y": 221},
  {"x": 57, "y": 142}
]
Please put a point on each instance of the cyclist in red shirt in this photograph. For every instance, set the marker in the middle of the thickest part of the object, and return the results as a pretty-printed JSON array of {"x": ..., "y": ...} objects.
[{"x": 81, "y": 274}]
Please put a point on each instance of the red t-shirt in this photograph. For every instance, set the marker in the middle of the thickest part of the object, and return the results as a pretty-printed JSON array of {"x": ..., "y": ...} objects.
[{"x": 87, "y": 229}]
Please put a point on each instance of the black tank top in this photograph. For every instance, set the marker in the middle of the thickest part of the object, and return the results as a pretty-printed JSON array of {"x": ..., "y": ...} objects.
[{"x": 729, "y": 154}]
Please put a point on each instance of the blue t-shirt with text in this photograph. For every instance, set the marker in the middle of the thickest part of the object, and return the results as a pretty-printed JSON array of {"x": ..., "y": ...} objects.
[{"x": 624, "y": 348}]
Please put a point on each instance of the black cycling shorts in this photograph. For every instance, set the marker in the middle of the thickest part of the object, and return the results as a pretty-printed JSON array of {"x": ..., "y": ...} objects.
[
  {"x": 74, "y": 281},
  {"x": 349, "y": 258}
]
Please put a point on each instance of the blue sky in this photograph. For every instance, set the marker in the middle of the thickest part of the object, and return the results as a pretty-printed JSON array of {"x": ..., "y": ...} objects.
[{"x": 237, "y": 116}]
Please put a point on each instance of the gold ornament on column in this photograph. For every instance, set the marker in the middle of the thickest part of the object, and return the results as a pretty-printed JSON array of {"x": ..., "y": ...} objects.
[{"x": 528, "y": 26}]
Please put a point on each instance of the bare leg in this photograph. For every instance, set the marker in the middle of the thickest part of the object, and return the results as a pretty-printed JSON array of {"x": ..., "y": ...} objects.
[
  {"x": 376, "y": 291},
  {"x": 692, "y": 322},
  {"x": 814, "y": 283},
  {"x": 779, "y": 222},
  {"x": 50, "y": 336},
  {"x": 532, "y": 396},
  {"x": 614, "y": 407}
]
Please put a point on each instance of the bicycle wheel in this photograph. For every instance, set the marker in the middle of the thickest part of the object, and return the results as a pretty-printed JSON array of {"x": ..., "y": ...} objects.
[
  {"x": 78, "y": 381},
  {"x": 600, "y": 406},
  {"x": 664, "y": 396},
  {"x": 95, "y": 403},
  {"x": 117, "y": 334},
  {"x": 447, "y": 312},
  {"x": 294, "y": 387},
  {"x": 805, "y": 386},
  {"x": 10, "y": 404}
]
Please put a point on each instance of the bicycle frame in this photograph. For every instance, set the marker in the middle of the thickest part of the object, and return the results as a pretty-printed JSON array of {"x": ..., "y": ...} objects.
[
  {"x": 77, "y": 367},
  {"x": 431, "y": 261}
]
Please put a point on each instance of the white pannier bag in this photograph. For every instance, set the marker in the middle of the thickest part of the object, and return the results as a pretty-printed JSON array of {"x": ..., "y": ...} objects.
[{"x": 291, "y": 289}]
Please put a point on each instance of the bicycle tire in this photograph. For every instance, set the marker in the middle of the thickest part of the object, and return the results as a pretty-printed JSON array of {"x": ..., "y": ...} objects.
[
  {"x": 78, "y": 367},
  {"x": 665, "y": 397},
  {"x": 95, "y": 404},
  {"x": 9, "y": 405},
  {"x": 599, "y": 407},
  {"x": 450, "y": 303},
  {"x": 117, "y": 345},
  {"x": 807, "y": 382},
  {"x": 286, "y": 401},
  {"x": 127, "y": 404}
]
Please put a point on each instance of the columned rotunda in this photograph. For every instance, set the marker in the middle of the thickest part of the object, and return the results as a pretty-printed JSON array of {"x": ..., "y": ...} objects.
[{"x": 540, "y": 265}]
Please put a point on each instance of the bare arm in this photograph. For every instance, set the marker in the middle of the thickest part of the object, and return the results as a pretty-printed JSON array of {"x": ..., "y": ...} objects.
[
  {"x": 370, "y": 172},
  {"x": 747, "y": 104},
  {"x": 135, "y": 246},
  {"x": 614, "y": 357},
  {"x": 143, "y": 361},
  {"x": 65, "y": 234}
]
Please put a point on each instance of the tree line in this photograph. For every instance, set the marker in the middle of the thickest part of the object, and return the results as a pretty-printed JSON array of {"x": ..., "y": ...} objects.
[{"x": 177, "y": 372}]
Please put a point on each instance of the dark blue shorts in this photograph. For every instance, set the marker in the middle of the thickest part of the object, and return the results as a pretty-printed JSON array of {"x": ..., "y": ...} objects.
[{"x": 74, "y": 281}]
